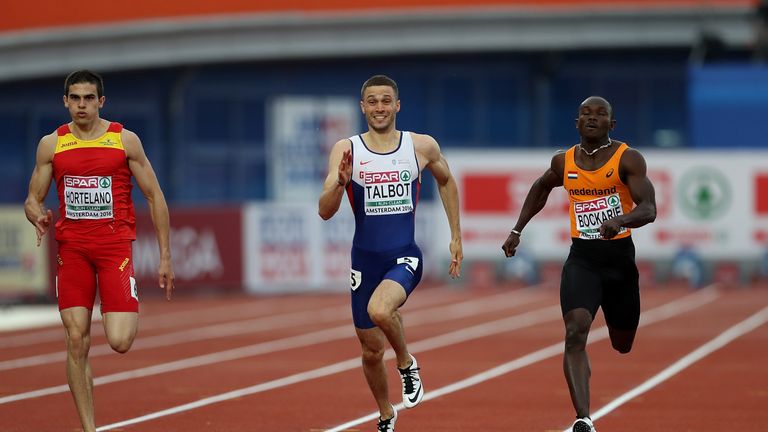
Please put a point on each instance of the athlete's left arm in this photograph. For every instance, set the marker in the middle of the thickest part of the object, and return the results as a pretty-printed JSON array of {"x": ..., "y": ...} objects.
[
  {"x": 633, "y": 172},
  {"x": 428, "y": 149},
  {"x": 146, "y": 179}
]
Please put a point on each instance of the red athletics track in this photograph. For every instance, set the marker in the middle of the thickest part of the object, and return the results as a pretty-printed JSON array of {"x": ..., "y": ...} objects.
[{"x": 491, "y": 361}]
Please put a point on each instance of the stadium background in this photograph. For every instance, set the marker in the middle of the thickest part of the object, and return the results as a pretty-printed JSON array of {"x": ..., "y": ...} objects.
[{"x": 238, "y": 102}]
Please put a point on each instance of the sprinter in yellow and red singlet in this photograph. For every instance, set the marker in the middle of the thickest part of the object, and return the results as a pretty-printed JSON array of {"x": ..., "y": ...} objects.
[
  {"x": 609, "y": 194},
  {"x": 92, "y": 161}
]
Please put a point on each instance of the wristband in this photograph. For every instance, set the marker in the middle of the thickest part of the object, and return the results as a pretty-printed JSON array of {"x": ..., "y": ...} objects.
[
  {"x": 338, "y": 180},
  {"x": 519, "y": 234}
]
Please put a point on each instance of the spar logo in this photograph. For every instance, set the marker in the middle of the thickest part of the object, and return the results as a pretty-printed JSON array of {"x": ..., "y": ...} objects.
[
  {"x": 382, "y": 177},
  {"x": 87, "y": 182},
  {"x": 595, "y": 205},
  {"x": 704, "y": 193}
]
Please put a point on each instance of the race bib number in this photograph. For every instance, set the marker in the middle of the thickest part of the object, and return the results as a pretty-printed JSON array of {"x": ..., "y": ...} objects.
[
  {"x": 88, "y": 197},
  {"x": 355, "y": 278},
  {"x": 591, "y": 214},
  {"x": 388, "y": 192}
]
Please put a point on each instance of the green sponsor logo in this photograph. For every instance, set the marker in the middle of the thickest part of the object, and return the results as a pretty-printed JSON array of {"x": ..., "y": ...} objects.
[
  {"x": 405, "y": 175},
  {"x": 105, "y": 182},
  {"x": 704, "y": 193},
  {"x": 613, "y": 201}
]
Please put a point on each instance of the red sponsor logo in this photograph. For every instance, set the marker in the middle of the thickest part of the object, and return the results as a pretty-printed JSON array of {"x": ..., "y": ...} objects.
[
  {"x": 382, "y": 177},
  {"x": 81, "y": 182},
  {"x": 484, "y": 193},
  {"x": 588, "y": 206},
  {"x": 761, "y": 194}
]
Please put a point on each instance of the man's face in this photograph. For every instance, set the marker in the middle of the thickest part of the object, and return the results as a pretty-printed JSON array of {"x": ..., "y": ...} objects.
[
  {"x": 83, "y": 103},
  {"x": 594, "y": 119},
  {"x": 380, "y": 107}
]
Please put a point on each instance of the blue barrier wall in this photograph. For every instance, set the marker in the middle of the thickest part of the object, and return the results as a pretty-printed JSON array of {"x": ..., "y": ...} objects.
[
  {"x": 728, "y": 105},
  {"x": 204, "y": 127}
]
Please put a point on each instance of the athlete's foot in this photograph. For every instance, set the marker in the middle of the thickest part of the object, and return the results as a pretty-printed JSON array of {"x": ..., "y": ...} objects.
[
  {"x": 388, "y": 425},
  {"x": 413, "y": 391},
  {"x": 583, "y": 424}
]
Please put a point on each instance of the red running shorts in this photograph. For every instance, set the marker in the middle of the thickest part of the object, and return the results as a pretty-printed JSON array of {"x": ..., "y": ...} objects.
[{"x": 82, "y": 266}]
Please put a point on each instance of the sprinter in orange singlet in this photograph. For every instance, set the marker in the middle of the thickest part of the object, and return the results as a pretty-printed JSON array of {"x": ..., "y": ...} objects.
[
  {"x": 609, "y": 194},
  {"x": 92, "y": 161}
]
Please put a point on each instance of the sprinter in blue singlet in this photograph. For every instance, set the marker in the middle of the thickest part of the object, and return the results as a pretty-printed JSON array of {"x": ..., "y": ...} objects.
[{"x": 381, "y": 172}]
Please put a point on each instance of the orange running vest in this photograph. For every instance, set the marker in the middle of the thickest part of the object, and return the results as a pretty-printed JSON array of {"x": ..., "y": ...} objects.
[
  {"x": 93, "y": 183},
  {"x": 595, "y": 196}
]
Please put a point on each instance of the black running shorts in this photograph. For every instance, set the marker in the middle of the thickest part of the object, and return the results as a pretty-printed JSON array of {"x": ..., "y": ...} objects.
[{"x": 602, "y": 273}]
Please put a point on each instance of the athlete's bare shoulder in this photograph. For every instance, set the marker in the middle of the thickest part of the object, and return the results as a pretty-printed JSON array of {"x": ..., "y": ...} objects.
[
  {"x": 632, "y": 162},
  {"x": 47, "y": 145},
  {"x": 422, "y": 139},
  {"x": 49, "y": 139},
  {"x": 426, "y": 145},
  {"x": 130, "y": 136},
  {"x": 342, "y": 144},
  {"x": 558, "y": 159}
]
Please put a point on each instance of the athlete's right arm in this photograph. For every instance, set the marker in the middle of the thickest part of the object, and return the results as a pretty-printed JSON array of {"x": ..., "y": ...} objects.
[
  {"x": 535, "y": 200},
  {"x": 339, "y": 174},
  {"x": 39, "y": 184}
]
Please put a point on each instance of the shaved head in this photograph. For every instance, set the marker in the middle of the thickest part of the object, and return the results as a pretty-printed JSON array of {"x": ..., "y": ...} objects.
[{"x": 598, "y": 100}]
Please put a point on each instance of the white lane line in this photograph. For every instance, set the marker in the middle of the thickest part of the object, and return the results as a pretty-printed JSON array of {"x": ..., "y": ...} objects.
[
  {"x": 527, "y": 319},
  {"x": 250, "y": 309},
  {"x": 660, "y": 313},
  {"x": 423, "y": 316},
  {"x": 215, "y": 331},
  {"x": 728, "y": 336},
  {"x": 256, "y": 325}
]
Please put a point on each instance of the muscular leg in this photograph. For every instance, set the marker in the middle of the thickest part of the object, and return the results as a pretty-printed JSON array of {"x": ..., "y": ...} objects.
[
  {"x": 382, "y": 308},
  {"x": 77, "y": 328},
  {"x": 575, "y": 361},
  {"x": 373, "y": 343},
  {"x": 121, "y": 328}
]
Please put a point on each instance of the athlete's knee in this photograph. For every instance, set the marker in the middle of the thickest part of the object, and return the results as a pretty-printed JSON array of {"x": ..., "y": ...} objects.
[
  {"x": 372, "y": 355},
  {"x": 622, "y": 348},
  {"x": 78, "y": 344},
  {"x": 622, "y": 345},
  {"x": 621, "y": 340},
  {"x": 576, "y": 332},
  {"x": 121, "y": 344},
  {"x": 380, "y": 314},
  {"x": 575, "y": 340}
]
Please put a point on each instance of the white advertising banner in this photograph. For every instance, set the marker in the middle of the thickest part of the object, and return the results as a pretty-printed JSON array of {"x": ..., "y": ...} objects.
[
  {"x": 23, "y": 265},
  {"x": 715, "y": 203},
  {"x": 289, "y": 248},
  {"x": 302, "y": 130}
]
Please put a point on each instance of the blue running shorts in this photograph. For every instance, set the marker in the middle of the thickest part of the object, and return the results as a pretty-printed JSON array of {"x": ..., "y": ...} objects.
[{"x": 369, "y": 269}]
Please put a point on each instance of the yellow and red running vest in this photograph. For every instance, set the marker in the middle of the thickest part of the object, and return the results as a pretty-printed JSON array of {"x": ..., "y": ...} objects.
[
  {"x": 595, "y": 196},
  {"x": 93, "y": 182}
]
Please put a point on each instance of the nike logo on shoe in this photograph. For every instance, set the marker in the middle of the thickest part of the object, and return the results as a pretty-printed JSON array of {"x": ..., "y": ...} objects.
[{"x": 415, "y": 397}]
